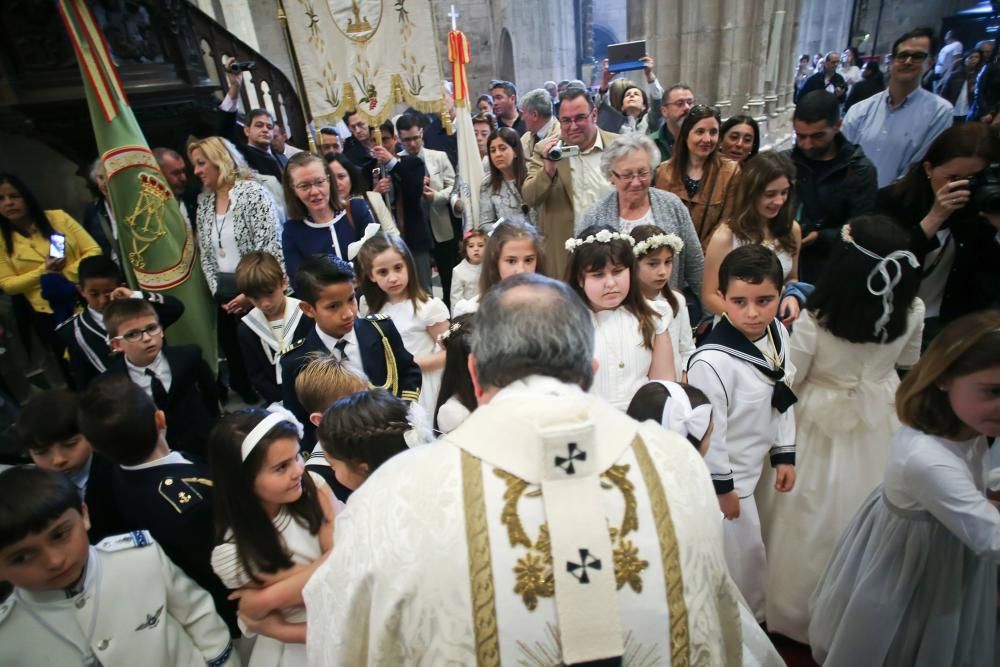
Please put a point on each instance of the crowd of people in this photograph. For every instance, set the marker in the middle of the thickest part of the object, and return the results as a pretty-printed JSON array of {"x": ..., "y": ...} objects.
[{"x": 727, "y": 388}]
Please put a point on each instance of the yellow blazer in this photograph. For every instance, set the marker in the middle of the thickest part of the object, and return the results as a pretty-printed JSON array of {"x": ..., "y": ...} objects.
[{"x": 21, "y": 268}]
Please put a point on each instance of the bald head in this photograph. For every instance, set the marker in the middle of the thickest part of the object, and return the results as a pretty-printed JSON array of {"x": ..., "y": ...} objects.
[{"x": 533, "y": 325}]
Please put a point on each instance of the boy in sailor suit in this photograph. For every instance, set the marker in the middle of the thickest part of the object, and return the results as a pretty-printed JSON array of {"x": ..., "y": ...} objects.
[
  {"x": 370, "y": 346},
  {"x": 84, "y": 334},
  {"x": 120, "y": 603},
  {"x": 268, "y": 331},
  {"x": 744, "y": 371}
]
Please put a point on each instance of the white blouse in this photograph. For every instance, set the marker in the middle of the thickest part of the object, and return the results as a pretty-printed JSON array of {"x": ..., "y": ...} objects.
[
  {"x": 623, "y": 361},
  {"x": 947, "y": 479},
  {"x": 679, "y": 328}
]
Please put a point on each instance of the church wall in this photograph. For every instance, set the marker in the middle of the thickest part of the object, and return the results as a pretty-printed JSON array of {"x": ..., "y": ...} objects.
[
  {"x": 724, "y": 51},
  {"x": 51, "y": 176}
]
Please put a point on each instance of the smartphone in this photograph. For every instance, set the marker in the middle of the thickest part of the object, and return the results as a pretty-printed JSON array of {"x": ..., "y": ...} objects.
[
  {"x": 57, "y": 246},
  {"x": 376, "y": 174}
]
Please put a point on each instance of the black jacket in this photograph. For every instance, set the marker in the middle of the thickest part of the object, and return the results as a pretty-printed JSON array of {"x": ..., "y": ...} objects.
[
  {"x": 86, "y": 340},
  {"x": 374, "y": 359},
  {"x": 173, "y": 501},
  {"x": 360, "y": 157},
  {"x": 818, "y": 82},
  {"x": 97, "y": 223},
  {"x": 258, "y": 361},
  {"x": 846, "y": 191},
  {"x": 974, "y": 280},
  {"x": 268, "y": 163},
  {"x": 192, "y": 400}
]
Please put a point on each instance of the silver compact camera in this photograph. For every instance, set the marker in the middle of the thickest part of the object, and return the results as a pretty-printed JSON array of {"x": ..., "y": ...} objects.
[{"x": 560, "y": 151}]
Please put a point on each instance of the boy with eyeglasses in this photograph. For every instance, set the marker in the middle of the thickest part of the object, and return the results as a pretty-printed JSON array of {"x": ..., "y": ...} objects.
[
  {"x": 84, "y": 334},
  {"x": 176, "y": 378}
]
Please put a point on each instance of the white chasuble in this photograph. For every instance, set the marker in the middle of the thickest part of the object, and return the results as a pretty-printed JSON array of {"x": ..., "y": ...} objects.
[{"x": 549, "y": 528}]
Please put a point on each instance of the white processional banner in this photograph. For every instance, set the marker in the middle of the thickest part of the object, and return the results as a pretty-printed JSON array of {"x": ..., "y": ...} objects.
[{"x": 367, "y": 55}]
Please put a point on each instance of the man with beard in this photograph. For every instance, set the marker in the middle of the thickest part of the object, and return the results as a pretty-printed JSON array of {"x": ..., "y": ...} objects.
[{"x": 834, "y": 180}]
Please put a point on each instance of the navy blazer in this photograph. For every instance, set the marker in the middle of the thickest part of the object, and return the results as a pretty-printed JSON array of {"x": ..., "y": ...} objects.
[
  {"x": 373, "y": 360},
  {"x": 263, "y": 375},
  {"x": 298, "y": 240},
  {"x": 86, "y": 340},
  {"x": 192, "y": 400},
  {"x": 173, "y": 502}
]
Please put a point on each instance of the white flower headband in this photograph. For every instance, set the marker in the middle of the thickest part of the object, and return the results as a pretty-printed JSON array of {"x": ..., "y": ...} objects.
[
  {"x": 444, "y": 335},
  {"x": 603, "y": 236},
  {"x": 882, "y": 270},
  {"x": 278, "y": 414},
  {"x": 672, "y": 241}
]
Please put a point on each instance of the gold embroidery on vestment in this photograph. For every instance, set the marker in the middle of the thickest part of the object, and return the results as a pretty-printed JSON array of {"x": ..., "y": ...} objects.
[
  {"x": 680, "y": 655},
  {"x": 533, "y": 570},
  {"x": 484, "y": 612}
]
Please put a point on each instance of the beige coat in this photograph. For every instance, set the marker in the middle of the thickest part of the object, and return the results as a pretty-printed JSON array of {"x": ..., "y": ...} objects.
[{"x": 554, "y": 196}]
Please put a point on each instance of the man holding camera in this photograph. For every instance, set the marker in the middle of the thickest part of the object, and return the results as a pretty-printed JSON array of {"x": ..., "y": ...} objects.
[
  {"x": 564, "y": 174},
  {"x": 258, "y": 130}
]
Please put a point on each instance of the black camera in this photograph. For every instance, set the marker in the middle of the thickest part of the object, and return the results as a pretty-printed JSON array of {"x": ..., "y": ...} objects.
[
  {"x": 985, "y": 189},
  {"x": 244, "y": 66}
]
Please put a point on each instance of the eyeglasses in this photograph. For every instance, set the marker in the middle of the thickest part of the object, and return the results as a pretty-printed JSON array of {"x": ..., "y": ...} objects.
[
  {"x": 681, "y": 103},
  {"x": 135, "y": 335},
  {"x": 639, "y": 175},
  {"x": 578, "y": 119},
  {"x": 306, "y": 187},
  {"x": 910, "y": 56}
]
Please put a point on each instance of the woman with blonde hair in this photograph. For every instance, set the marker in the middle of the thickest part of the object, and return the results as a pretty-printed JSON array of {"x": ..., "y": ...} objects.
[
  {"x": 914, "y": 577},
  {"x": 236, "y": 215}
]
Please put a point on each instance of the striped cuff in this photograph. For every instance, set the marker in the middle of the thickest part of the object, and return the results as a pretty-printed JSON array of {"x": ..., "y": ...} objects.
[
  {"x": 784, "y": 455},
  {"x": 222, "y": 657},
  {"x": 410, "y": 394},
  {"x": 723, "y": 483}
]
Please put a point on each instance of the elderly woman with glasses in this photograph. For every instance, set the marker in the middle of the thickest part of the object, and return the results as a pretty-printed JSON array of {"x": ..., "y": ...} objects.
[
  {"x": 629, "y": 162},
  {"x": 697, "y": 173},
  {"x": 324, "y": 217}
]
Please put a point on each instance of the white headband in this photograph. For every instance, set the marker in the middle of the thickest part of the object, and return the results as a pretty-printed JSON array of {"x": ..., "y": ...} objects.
[
  {"x": 672, "y": 241},
  {"x": 680, "y": 417},
  {"x": 603, "y": 236},
  {"x": 882, "y": 270},
  {"x": 277, "y": 415},
  {"x": 354, "y": 248}
]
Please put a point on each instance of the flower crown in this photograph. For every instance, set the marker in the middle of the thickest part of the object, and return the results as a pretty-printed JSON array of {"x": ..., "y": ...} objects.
[
  {"x": 443, "y": 336},
  {"x": 603, "y": 236},
  {"x": 672, "y": 241}
]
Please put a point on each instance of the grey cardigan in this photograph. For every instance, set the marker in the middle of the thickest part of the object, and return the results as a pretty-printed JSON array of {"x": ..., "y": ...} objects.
[{"x": 669, "y": 214}]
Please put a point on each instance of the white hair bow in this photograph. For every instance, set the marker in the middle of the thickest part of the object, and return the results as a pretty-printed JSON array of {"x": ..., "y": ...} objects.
[
  {"x": 420, "y": 432},
  {"x": 354, "y": 248},
  {"x": 277, "y": 414},
  {"x": 680, "y": 417}
]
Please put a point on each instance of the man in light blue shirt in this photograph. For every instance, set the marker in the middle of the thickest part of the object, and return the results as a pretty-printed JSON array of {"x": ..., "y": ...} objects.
[{"x": 896, "y": 127}]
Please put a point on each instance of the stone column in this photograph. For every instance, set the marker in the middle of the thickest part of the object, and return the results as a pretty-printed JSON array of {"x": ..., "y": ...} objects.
[{"x": 239, "y": 21}]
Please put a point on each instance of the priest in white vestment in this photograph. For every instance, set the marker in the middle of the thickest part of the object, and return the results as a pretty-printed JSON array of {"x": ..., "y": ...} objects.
[{"x": 548, "y": 529}]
